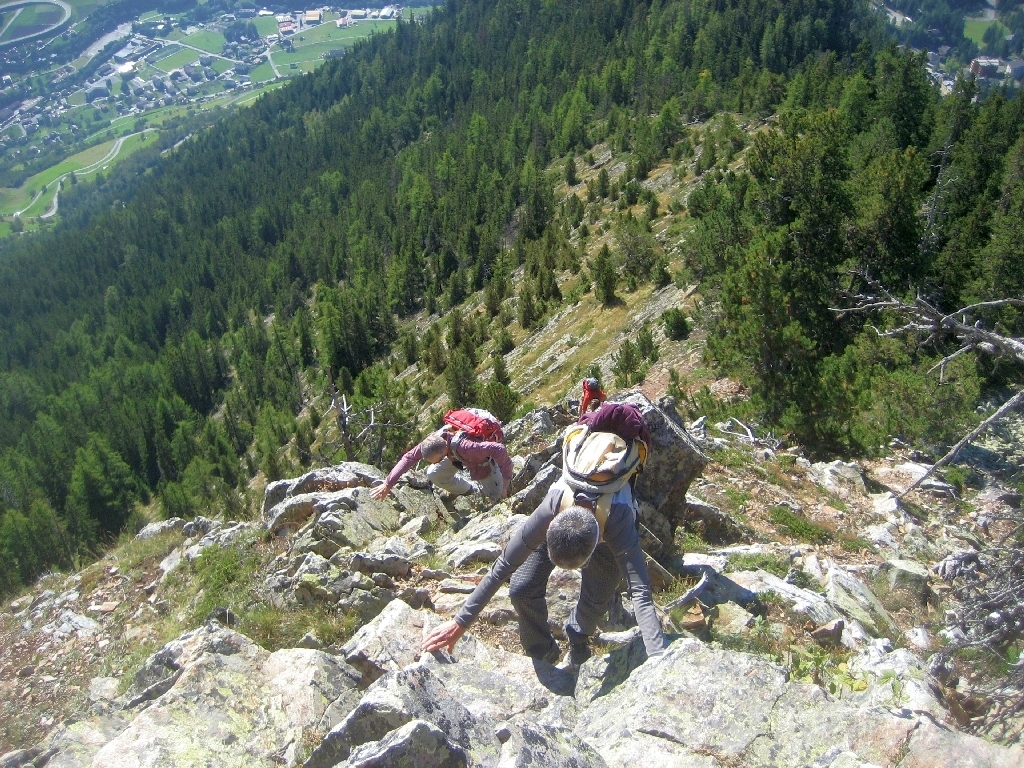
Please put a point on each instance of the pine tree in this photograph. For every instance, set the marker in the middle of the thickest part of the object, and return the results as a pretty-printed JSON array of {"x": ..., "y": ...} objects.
[
  {"x": 603, "y": 274},
  {"x": 460, "y": 380}
]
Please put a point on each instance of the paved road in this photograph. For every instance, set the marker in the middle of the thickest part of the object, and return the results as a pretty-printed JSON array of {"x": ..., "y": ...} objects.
[
  {"x": 22, "y": 3},
  {"x": 114, "y": 152}
]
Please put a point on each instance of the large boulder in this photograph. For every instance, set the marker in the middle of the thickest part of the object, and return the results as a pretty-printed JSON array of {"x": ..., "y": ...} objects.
[
  {"x": 675, "y": 461},
  {"x": 216, "y": 698},
  {"x": 398, "y": 698}
]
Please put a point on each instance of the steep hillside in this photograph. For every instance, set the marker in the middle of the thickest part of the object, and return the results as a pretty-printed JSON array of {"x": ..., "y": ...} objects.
[{"x": 803, "y": 617}]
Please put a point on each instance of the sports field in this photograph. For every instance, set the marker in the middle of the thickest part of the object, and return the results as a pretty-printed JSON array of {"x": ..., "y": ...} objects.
[{"x": 178, "y": 60}]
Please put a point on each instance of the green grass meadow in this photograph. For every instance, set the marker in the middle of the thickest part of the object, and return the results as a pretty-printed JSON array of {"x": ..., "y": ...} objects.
[
  {"x": 974, "y": 29},
  {"x": 213, "y": 42},
  {"x": 265, "y": 25}
]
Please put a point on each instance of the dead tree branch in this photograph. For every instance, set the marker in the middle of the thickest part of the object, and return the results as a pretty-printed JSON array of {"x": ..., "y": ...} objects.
[{"x": 963, "y": 325}]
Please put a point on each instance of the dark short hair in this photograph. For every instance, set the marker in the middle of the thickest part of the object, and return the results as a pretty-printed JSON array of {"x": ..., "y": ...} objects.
[{"x": 572, "y": 537}]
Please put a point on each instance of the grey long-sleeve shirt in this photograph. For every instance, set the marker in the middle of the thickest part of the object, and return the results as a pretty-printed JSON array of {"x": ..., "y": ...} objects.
[{"x": 620, "y": 532}]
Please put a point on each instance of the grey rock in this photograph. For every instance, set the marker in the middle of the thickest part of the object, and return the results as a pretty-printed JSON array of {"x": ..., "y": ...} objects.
[
  {"x": 527, "y": 500},
  {"x": 601, "y": 673},
  {"x": 841, "y": 477},
  {"x": 732, "y": 619},
  {"x": 156, "y": 529},
  {"x": 531, "y": 743},
  {"x": 714, "y": 525},
  {"x": 801, "y": 601},
  {"x": 231, "y": 534},
  {"x": 415, "y": 745},
  {"x": 390, "y": 642},
  {"x": 103, "y": 689},
  {"x": 366, "y": 604},
  {"x": 907, "y": 575},
  {"x": 198, "y": 526},
  {"x": 76, "y": 744},
  {"x": 933, "y": 745},
  {"x": 392, "y": 565},
  {"x": 399, "y": 698},
  {"x": 856, "y": 601},
  {"x": 675, "y": 461}
]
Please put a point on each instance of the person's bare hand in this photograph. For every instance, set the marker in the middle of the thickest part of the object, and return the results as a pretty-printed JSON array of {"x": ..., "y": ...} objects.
[
  {"x": 444, "y": 636},
  {"x": 380, "y": 492}
]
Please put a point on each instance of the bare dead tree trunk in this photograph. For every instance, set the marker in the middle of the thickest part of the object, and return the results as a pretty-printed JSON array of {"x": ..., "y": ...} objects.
[{"x": 922, "y": 318}]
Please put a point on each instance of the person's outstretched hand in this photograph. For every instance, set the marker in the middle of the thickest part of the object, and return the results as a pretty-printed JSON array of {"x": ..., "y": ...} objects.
[
  {"x": 380, "y": 492},
  {"x": 444, "y": 636}
]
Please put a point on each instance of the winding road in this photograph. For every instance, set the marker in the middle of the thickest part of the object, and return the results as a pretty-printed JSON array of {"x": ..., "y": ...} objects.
[
  {"x": 91, "y": 168},
  {"x": 19, "y": 4}
]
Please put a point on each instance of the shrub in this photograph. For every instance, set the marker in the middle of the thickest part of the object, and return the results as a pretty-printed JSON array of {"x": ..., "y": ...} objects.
[
  {"x": 676, "y": 327},
  {"x": 799, "y": 527}
]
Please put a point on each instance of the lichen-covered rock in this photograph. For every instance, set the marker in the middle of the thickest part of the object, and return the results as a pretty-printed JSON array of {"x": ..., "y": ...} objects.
[
  {"x": 399, "y": 698},
  {"x": 856, "y": 601},
  {"x": 675, "y": 461},
  {"x": 697, "y": 701},
  {"x": 539, "y": 744},
  {"x": 227, "y": 702},
  {"x": 415, "y": 745},
  {"x": 525, "y": 501}
]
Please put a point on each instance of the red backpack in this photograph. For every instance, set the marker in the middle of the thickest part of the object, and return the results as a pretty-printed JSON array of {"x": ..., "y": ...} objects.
[{"x": 477, "y": 423}]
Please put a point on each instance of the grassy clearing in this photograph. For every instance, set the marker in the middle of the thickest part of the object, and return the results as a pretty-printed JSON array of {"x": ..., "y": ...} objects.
[
  {"x": 799, "y": 527},
  {"x": 262, "y": 73},
  {"x": 265, "y": 25},
  {"x": 974, "y": 29},
  {"x": 207, "y": 41}
]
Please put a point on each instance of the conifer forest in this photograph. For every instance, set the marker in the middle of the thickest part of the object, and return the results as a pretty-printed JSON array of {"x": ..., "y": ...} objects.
[{"x": 196, "y": 309}]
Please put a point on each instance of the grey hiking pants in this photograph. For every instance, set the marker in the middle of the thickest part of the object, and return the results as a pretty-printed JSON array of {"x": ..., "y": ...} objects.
[
  {"x": 445, "y": 475},
  {"x": 529, "y": 583}
]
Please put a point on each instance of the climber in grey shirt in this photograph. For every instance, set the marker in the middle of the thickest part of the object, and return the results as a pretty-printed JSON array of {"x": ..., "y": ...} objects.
[{"x": 527, "y": 562}]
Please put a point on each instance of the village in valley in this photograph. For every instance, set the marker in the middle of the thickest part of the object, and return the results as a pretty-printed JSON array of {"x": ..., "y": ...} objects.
[{"x": 61, "y": 116}]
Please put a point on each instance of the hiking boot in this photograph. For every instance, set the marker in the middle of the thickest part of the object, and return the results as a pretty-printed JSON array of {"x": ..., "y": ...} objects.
[
  {"x": 551, "y": 655},
  {"x": 579, "y": 648}
]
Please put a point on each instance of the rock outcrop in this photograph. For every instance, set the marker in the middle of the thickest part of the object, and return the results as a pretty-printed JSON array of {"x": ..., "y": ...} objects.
[{"x": 214, "y": 697}]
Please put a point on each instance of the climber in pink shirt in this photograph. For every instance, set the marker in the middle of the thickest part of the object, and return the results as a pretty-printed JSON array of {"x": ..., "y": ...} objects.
[{"x": 449, "y": 450}]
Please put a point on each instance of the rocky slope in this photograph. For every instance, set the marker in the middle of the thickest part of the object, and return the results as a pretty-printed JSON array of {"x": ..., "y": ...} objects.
[{"x": 801, "y": 630}]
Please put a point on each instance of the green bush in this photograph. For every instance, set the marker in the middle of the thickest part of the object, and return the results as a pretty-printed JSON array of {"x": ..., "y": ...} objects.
[{"x": 676, "y": 327}]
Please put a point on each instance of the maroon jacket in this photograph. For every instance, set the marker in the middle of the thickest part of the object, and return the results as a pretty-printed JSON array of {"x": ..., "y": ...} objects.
[{"x": 622, "y": 419}]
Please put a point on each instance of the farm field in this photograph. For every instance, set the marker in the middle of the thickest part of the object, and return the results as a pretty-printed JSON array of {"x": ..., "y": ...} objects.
[{"x": 262, "y": 73}]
